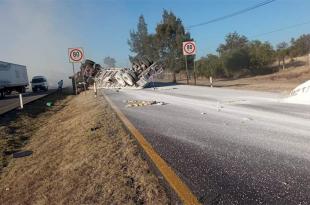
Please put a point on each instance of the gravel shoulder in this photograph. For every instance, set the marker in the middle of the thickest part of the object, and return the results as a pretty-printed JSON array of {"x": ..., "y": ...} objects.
[{"x": 81, "y": 154}]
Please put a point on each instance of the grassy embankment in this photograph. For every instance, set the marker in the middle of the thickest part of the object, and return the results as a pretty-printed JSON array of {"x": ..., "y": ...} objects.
[{"x": 81, "y": 155}]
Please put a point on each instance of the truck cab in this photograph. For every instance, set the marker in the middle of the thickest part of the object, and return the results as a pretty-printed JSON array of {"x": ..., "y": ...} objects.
[{"x": 39, "y": 83}]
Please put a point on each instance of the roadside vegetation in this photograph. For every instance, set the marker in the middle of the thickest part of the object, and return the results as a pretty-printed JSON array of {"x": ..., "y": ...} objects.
[
  {"x": 81, "y": 154},
  {"x": 236, "y": 57},
  {"x": 17, "y": 127}
]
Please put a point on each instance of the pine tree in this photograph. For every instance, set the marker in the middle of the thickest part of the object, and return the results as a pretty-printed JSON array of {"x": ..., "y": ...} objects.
[{"x": 170, "y": 34}]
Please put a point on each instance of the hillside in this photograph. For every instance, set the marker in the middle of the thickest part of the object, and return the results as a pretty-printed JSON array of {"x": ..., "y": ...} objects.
[{"x": 283, "y": 81}]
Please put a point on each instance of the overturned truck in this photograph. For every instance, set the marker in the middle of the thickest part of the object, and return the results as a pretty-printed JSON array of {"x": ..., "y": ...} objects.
[{"x": 143, "y": 71}]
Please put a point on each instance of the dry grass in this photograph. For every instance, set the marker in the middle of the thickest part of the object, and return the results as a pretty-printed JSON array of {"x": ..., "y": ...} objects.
[
  {"x": 283, "y": 81},
  {"x": 81, "y": 155},
  {"x": 17, "y": 127}
]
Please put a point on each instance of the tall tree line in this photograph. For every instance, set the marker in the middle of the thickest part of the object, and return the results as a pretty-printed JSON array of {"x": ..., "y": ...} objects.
[
  {"x": 165, "y": 44},
  {"x": 237, "y": 56}
]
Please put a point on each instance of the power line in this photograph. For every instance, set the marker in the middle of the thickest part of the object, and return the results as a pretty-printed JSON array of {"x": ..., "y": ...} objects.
[
  {"x": 280, "y": 29},
  {"x": 232, "y": 14}
]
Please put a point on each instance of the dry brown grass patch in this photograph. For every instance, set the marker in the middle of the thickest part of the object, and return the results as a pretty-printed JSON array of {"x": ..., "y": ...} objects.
[{"x": 82, "y": 155}]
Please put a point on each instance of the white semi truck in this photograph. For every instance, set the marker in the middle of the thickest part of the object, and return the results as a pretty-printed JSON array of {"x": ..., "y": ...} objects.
[{"x": 13, "y": 77}]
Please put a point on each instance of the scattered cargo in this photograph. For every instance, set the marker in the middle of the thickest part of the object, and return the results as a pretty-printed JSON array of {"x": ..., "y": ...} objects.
[
  {"x": 141, "y": 103},
  {"x": 13, "y": 77}
]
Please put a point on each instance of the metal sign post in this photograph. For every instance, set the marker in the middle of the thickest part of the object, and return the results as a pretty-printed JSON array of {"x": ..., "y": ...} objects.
[
  {"x": 187, "y": 74},
  {"x": 74, "y": 80},
  {"x": 189, "y": 48},
  {"x": 194, "y": 69}
]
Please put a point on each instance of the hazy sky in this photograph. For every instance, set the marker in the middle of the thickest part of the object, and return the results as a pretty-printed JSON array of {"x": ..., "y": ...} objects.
[{"x": 37, "y": 33}]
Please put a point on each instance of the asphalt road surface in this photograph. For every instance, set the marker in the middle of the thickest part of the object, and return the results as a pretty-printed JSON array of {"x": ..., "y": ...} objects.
[
  {"x": 229, "y": 146},
  {"x": 11, "y": 102}
]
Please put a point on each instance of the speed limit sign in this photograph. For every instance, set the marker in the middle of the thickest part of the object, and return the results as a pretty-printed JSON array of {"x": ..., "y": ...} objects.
[
  {"x": 76, "y": 55},
  {"x": 189, "y": 48}
]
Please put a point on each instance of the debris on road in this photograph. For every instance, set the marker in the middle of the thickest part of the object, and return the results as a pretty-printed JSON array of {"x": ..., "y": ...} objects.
[
  {"x": 219, "y": 106},
  {"x": 246, "y": 119},
  {"x": 140, "y": 103},
  {"x": 160, "y": 103}
]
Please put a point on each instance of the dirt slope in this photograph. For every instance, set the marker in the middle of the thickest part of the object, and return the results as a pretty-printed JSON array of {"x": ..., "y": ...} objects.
[{"x": 81, "y": 155}]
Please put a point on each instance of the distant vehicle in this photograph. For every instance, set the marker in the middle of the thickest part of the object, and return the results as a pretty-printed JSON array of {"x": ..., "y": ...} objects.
[
  {"x": 13, "y": 77},
  {"x": 39, "y": 83}
]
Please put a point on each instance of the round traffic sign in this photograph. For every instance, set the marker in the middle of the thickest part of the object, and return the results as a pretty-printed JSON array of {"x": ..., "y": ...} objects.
[
  {"x": 189, "y": 48},
  {"x": 76, "y": 54}
]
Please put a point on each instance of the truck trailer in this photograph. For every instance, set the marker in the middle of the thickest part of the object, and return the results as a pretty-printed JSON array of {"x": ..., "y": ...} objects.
[{"x": 13, "y": 77}]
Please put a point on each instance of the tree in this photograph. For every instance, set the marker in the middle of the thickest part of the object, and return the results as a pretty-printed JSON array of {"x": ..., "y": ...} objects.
[
  {"x": 261, "y": 55},
  {"x": 140, "y": 42},
  {"x": 282, "y": 52},
  {"x": 300, "y": 46},
  {"x": 210, "y": 66},
  {"x": 170, "y": 34},
  {"x": 234, "y": 54},
  {"x": 109, "y": 62},
  {"x": 235, "y": 62},
  {"x": 232, "y": 41}
]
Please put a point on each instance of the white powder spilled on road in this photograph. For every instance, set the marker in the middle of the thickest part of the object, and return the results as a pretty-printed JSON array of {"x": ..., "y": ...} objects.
[{"x": 300, "y": 95}]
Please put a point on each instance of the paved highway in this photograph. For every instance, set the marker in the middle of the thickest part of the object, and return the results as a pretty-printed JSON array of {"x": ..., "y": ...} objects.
[
  {"x": 229, "y": 146},
  {"x": 11, "y": 102}
]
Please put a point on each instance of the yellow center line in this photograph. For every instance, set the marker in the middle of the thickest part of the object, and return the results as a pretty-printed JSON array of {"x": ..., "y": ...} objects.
[{"x": 170, "y": 176}]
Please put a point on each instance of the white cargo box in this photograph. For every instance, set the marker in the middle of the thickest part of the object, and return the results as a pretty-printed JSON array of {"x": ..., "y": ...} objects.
[{"x": 12, "y": 75}]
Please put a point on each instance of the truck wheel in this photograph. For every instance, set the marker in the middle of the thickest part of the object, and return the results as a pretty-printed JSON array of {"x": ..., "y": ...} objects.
[
  {"x": 119, "y": 79},
  {"x": 128, "y": 79}
]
